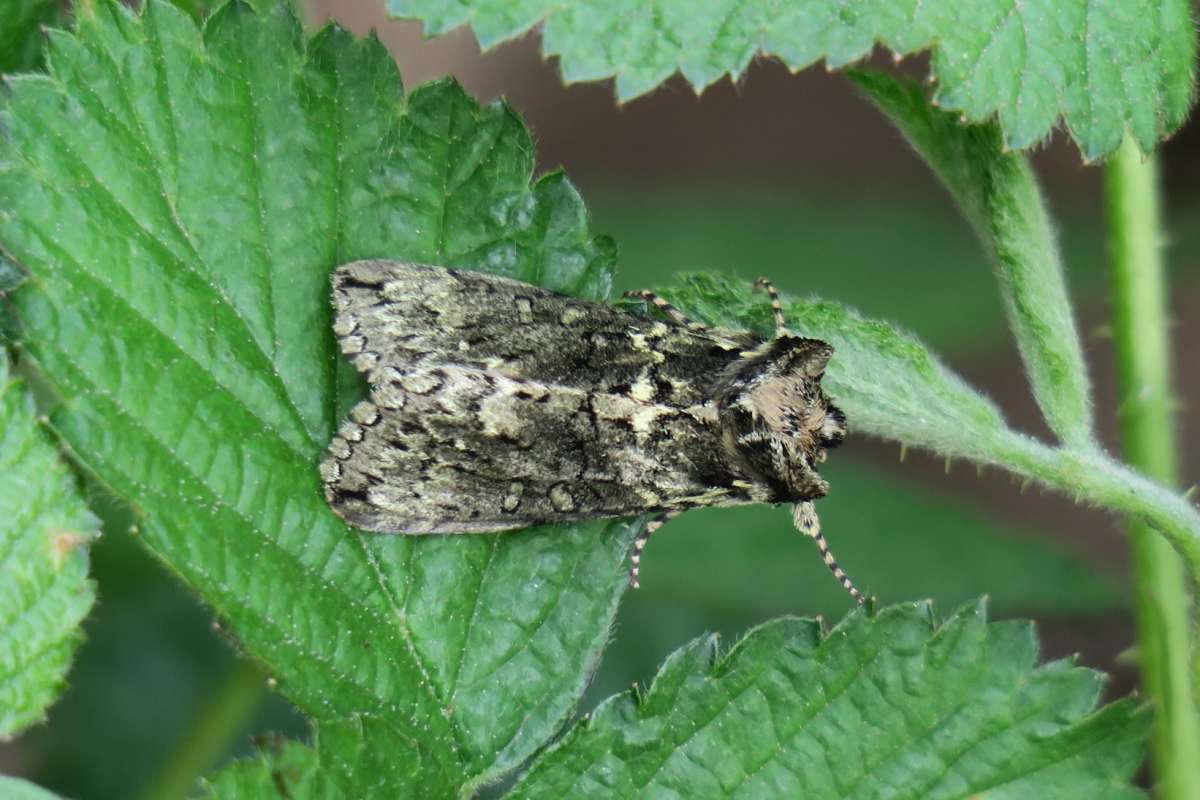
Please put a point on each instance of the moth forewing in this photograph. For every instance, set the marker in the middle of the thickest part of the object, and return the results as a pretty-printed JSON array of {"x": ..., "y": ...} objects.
[{"x": 496, "y": 405}]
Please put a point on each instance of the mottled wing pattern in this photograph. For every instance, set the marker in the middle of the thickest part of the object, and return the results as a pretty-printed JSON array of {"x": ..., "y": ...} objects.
[
  {"x": 401, "y": 315},
  {"x": 451, "y": 448}
]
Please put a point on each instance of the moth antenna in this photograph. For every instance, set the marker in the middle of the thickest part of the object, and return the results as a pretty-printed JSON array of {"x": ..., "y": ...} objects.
[
  {"x": 805, "y": 516},
  {"x": 639, "y": 544},
  {"x": 666, "y": 308},
  {"x": 776, "y": 307}
]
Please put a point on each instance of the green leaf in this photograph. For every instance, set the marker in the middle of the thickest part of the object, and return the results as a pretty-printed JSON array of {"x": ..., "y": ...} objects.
[
  {"x": 890, "y": 705},
  {"x": 1103, "y": 66},
  {"x": 180, "y": 199},
  {"x": 21, "y": 32},
  {"x": 999, "y": 195},
  {"x": 345, "y": 757},
  {"x": 45, "y": 528},
  {"x": 17, "y": 789}
]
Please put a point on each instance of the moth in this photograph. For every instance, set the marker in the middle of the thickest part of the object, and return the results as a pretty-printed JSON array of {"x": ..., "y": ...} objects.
[{"x": 497, "y": 405}]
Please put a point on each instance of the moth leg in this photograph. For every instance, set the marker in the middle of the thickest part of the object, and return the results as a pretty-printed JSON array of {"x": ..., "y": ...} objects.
[
  {"x": 805, "y": 516},
  {"x": 635, "y": 556},
  {"x": 776, "y": 307},
  {"x": 666, "y": 308}
]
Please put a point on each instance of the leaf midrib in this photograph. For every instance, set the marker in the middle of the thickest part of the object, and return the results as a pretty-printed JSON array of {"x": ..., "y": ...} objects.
[{"x": 400, "y": 615}]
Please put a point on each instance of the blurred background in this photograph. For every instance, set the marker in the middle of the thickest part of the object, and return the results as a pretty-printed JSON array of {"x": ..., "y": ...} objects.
[{"x": 794, "y": 177}]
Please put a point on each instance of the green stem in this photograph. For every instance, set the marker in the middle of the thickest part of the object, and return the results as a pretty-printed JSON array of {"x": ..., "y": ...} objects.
[
  {"x": 1090, "y": 476},
  {"x": 1148, "y": 440},
  {"x": 227, "y": 712}
]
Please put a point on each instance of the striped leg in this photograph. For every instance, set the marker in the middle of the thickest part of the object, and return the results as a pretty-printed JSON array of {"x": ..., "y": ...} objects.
[
  {"x": 805, "y": 516},
  {"x": 635, "y": 556},
  {"x": 666, "y": 308},
  {"x": 776, "y": 307}
]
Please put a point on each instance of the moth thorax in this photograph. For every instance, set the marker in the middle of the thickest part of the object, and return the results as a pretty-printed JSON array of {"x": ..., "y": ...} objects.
[{"x": 789, "y": 406}]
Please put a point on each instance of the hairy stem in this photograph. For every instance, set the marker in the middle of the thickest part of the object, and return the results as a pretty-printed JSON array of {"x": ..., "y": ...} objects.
[
  {"x": 1148, "y": 440},
  {"x": 225, "y": 716},
  {"x": 1092, "y": 477}
]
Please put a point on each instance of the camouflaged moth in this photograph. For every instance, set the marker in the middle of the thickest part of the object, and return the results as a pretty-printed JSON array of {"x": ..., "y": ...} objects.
[{"x": 496, "y": 405}]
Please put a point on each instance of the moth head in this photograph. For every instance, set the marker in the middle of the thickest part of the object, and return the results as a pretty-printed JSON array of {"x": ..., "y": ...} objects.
[{"x": 781, "y": 418}]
